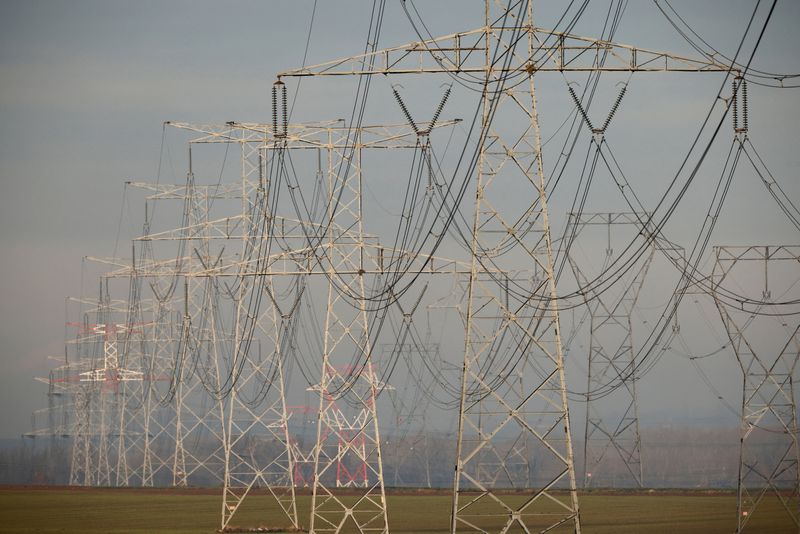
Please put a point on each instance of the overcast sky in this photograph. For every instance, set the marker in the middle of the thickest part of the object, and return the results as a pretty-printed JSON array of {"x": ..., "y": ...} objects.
[{"x": 86, "y": 85}]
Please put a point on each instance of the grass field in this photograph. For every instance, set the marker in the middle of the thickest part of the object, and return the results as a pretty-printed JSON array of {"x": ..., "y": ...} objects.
[{"x": 139, "y": 511}]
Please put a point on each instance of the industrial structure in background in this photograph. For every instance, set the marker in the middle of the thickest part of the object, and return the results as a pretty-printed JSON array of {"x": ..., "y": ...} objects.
[{"x": 179, "y": 371}]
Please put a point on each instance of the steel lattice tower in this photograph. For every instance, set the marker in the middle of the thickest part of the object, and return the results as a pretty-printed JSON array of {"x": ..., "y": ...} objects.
[
  {"x": 257, "y": 446},
  {"x": 766, "y": 342},
  {"x": 347, "y": 452},
  {"x": 107, "y": 412},
  {"x": 160, "y": 413},
  {"x": 186, "y": 336},
  {"x": 347, "y": 436},
  {"x": 611, "y": 353}
]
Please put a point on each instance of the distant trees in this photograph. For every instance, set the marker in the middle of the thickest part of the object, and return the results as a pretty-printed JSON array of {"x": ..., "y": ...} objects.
[
  {"x": 35, "y": 461},
  {"x": 674, "y": 457}
]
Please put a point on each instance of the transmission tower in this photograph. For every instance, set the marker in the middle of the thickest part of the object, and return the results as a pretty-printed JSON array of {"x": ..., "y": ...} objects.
[
  {"x": 108, "y": 428},
  {"x": 410, "y": 410},
  {"x": 765, "y": 338},
  {"x": 52, "y": 426},
  {"x": 257, "y": 445},
  {"x": 83, "y": 445},
  {"x": 611, "y": 425},
  {"x": 160, "y": 409},
  {"x": 517, "y": 322},
  {"x": 133, "y": 384},
  {"x": 238, "y": 426},
  {"x": 176, "y": 408},
  {"x": 341, "y": 253},
  {"x": 69, "y": 411}
]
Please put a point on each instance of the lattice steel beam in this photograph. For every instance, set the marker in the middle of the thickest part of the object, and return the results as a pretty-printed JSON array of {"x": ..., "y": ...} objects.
[{"x": 550, "y": 51}]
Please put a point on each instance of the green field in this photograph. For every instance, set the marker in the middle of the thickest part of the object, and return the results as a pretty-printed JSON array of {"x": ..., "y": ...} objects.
[{"x": 140, "y": 511}]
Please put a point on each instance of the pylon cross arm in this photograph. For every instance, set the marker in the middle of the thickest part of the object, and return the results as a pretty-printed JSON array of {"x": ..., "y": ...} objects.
[{"x": 464, "y": 52}]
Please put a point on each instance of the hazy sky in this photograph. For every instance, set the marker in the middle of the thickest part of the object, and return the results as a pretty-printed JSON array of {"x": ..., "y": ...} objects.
[{"x": 85, "y": 86}]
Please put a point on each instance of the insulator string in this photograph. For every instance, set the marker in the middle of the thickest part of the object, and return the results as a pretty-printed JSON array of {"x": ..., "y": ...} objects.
[
  {"x": 580, "y": 107},
  {"x": 439, "y": 108},
  {"x": 274, "y": 109},
  {"x": 614, "y": 108},
  {"x": 285, "y": 110},
  {"x": 744, "y": 105},
  {"x": 405, "y": 110}
]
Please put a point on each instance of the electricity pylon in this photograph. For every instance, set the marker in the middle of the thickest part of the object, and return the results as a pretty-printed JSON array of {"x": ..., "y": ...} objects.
[
  {"x": 257, "y": 446},
  {"x": 84, "y": 446},
  {"x": 765, "y": 337},
  {"x": 164, "y": 461},
  {"x": 511, "y": 325},
  {"x": 54, "y": 424},
  {"x": 160, "y": 409},
  {"x": 347, "y": 333},
  {"x": 106, "y": 389},
  {"x": 133, "y": 385},
  {"x": 302, "y": 455},
  {"x": 339, "y": 252},
  {"x": 410, "y": 409},
  {"x": 209, "y": 406},
  {"x": 72, "y": 402},
  {"x": 611, "y": 424},
  {"x": 95, "y": 398},
  {"x": 345, "y": 451},
  {"x": 348, "y": 433},
  {"x": 347, "y": 339},
  {"x": 184, "y": 438},
  {"x": 190, "y": 358}
]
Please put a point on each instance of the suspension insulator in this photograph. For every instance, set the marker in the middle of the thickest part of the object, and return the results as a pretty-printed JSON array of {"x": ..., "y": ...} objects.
[
  {"x": 285, "y": 110},
  {"x": 439, "y": 109},
  {"x": 405, "y": 111},
  {"x": 744, "y": 105},
  {"x": 614, "y": 108},
  {"x": 734, "y": 106},
  {"x": 580, "y": 108},
  {"x": 275, "y": 108}
]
